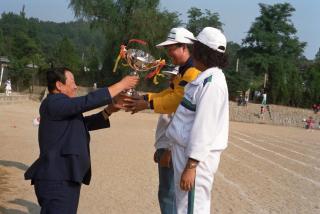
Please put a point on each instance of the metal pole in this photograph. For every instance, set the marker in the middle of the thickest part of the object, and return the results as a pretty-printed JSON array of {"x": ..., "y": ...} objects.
[
  {"x": 2, "y": 68},
  {"x": 265, "y": 80}
]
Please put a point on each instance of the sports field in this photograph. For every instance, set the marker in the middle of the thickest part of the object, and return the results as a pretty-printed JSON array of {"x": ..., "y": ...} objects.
[{"x": 266, "y": 169}]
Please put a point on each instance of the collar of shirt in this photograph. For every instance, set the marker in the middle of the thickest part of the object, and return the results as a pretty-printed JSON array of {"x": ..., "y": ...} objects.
[
  {"x": 183, "y": 68},
  {"x": 213, "y": 71}
]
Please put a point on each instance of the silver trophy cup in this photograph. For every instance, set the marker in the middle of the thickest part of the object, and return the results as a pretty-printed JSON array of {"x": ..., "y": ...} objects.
[{"x": 139, "y": 61}]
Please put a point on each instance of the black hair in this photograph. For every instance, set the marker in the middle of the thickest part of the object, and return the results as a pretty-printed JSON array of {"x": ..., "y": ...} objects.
[
  {"x": 54, "y": 75},
  {"x": 209, "y": 57}
]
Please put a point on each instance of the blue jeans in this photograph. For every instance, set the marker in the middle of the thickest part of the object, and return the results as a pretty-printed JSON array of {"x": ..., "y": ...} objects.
[{"x": 166, "y": 194}]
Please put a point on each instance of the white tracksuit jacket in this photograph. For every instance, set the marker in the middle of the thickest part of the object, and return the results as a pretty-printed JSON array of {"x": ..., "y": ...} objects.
[
  {"x": 199, "y": 130},
  {"x": 162, "y": 141}
]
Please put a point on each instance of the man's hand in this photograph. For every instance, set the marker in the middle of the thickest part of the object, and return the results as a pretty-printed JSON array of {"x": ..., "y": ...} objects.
[
  {"x": 119, "y": 102},
  {"x": 155, "y": 157},
  {"x": 129, "y": 82},
  {"x": 187, "y": 179},
  {"x": 135, "y": 105},
  {"x": 165, "y": 160},
  {"x": 188, "y": 175},
  {"x": 126, "y": 83}
]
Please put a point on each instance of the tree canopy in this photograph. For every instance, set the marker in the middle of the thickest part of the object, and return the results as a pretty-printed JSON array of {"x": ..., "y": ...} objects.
[
  {"x": 123, "y": 20},
  {"x": 272, "y": 47},
  {"x": 90, "y": 45}
]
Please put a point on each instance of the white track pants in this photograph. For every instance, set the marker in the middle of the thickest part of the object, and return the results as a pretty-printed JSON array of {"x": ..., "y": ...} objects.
[{"x": 203, "y": 182}]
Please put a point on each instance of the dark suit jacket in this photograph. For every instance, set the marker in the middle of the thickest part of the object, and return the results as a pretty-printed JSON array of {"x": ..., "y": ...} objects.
[{"x": 64, "y": 136}]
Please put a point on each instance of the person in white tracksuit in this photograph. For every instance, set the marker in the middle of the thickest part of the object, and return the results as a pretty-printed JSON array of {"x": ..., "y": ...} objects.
[{"x": 200, "y": 126}]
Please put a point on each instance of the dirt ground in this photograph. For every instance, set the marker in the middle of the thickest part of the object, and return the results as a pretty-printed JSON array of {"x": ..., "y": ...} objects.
[{"x": 265, "y": 169}]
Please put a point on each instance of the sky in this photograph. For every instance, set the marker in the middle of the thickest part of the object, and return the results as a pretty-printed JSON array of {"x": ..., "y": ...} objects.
[{"x": 236, "y": 15}]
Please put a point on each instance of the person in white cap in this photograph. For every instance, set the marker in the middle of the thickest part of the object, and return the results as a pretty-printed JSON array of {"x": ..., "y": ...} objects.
[
  {"x": 166, "y": 103},
  {"x": 200, "y": 126}
]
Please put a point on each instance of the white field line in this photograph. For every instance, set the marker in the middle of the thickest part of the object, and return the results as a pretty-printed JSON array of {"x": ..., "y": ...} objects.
[
  {"x": 311, "y": 147},
  {"x": 269, "y": 178},
  {"x": 258, "y": 208},
  {"x": 306, "y": 147},
  {"x": 315, "y": 144},
  {"x": 316, "y": 183},
  {"x": 277, "y": 154},
  {"x": 299, "y": 146},
  {"x": 279, "y": 146}
]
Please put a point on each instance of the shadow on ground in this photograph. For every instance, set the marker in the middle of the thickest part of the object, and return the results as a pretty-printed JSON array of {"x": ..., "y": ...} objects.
[
  {"x": 31, "y": 207},
  {"x": 16, "y": 164}
]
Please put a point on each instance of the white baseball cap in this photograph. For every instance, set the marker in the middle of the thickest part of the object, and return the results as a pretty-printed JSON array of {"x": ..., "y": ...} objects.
[
  {"x": 213, "y": 38},
  {"x": 178, "y": 35}
]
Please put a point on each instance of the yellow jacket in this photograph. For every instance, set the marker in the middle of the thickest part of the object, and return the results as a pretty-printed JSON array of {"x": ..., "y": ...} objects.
[{"x": 168, "y": 100}]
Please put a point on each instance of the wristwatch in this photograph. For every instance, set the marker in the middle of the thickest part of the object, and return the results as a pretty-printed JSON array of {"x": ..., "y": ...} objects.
[{"x": 191, "y": 164}]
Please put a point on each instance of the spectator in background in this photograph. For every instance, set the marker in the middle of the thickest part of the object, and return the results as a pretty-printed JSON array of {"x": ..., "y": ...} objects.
[
  {"x": 310, "y": 123},
  {"x": 256, "y": 96},
  {"x": 264, "y": 98},
  {"x": 94, "y": 86},
  {"x": 246, "y": 100},
  {"x": 8, "y": 87},
  {"x": 315, "y": 108}
]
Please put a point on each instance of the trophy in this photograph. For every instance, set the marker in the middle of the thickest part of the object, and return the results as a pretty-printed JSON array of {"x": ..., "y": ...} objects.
[{"x": 139, "y": 61}]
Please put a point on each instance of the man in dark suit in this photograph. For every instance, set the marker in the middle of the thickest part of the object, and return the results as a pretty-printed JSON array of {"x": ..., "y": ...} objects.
[{"x": 64, "y": 161}]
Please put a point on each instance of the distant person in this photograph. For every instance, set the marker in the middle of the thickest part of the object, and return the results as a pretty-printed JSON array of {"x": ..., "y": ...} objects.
[
  {"x": 256, "y": 96},
  {"x": 64, "y": 160},
  {"x": 240, "y": 100},
  {"x": 95, "y": 86},
  {"x": 8, "y": 87},
  {"x": 264, "y": 106},
  {"x": 264, "y": 98},
  {"x": 262, "y": 109},
  {"x": 246, "y": 100},
  {"x": 200, "y": 126},
  {"x": 269, "y": 111},
  {"x": 310, "y": 123},
  {"x": 315, "y": 108}
]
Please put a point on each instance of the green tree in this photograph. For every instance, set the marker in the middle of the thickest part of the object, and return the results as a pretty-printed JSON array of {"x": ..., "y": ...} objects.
[
  {"x": 312, "y": 84},
  {"x": 2, "y": 50},
  {"x": 20, "y": 45},
  {"x": 28, "y": 39},
  {"x": 122, "y": 20},
  {"x": 238, "y": 74},
  {"x": 65, "y": 55},
  {"x": 198, "y": 20},
  {"x": 90, "y": 63},
  {"x": 272, "y": 47}
]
